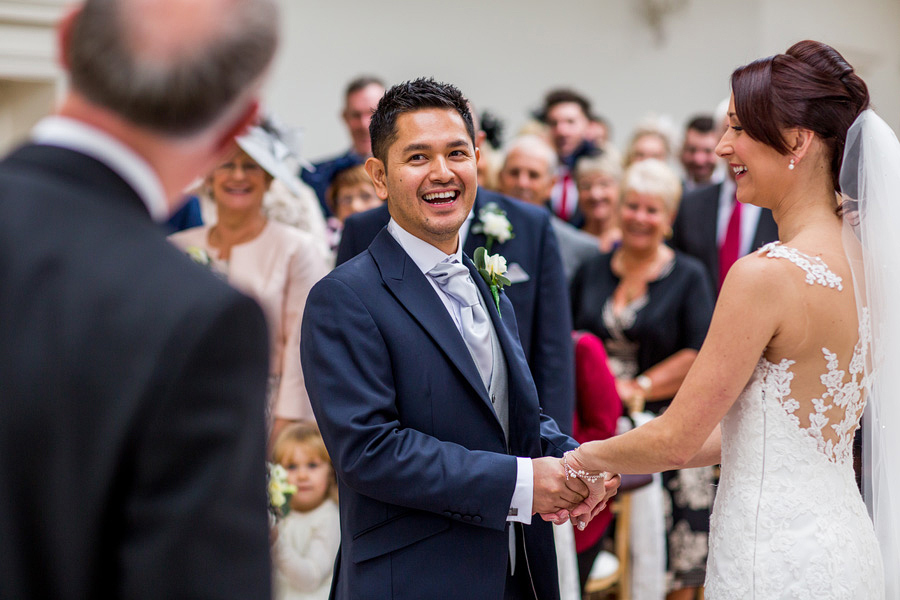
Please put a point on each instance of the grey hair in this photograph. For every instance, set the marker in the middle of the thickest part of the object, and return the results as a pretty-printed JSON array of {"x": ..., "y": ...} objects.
[
  {"x": 179, "y": 95},
  {"x": 654, "y": 178},
  {"x": 533, "y": 144},
  {"x": 605, "y": 164}
]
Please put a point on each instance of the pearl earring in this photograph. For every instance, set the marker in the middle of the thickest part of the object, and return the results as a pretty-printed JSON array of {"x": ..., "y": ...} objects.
[{"x": 791, "y": 166}]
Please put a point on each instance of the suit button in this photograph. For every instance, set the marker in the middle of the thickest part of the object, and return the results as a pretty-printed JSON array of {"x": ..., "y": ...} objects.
[
  {"x": 457, "y": 516},
  {"x": 467, "y": 517},
  {"x": 447, "y": 513},
  {"x": 476, "y": 519}
]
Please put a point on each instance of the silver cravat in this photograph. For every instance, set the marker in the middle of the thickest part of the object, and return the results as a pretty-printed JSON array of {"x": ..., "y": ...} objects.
[{"x": 453, "y": 279}]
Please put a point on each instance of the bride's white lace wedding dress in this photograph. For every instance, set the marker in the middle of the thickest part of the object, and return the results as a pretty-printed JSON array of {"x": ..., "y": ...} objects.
[{"x": 788, "y": 520}]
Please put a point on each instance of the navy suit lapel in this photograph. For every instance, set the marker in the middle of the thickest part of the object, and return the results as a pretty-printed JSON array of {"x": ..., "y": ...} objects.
[
  {"x": 413, "y": 290},
  {"x": 518, "y": 373}
]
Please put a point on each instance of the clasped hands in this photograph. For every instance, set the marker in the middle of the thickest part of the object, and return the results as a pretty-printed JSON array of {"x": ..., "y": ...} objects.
[{"x": 558, "y": 498}]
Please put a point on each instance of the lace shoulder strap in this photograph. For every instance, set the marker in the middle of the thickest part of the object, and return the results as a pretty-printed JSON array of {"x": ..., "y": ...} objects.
[{"x": 816, "y": 269}]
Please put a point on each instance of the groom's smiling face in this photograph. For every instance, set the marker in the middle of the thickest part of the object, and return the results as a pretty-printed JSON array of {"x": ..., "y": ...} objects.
[{"x": 430, "y": 176}]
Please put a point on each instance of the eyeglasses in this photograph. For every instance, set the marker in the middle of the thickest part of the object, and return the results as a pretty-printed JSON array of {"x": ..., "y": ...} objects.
[{"x": 247, "y": 167}]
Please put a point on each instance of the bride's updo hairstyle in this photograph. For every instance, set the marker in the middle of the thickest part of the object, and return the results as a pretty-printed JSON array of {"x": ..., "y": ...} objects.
[{"x": 811, "y": 86}]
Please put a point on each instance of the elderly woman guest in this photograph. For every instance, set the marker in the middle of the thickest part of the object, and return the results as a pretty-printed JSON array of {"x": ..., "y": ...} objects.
[
  {"x": 651, "y": 306},
  {"x": 648, "y": 142},
  {"x": 274, "y": 263},
  {"x": 598, "y": 179}
]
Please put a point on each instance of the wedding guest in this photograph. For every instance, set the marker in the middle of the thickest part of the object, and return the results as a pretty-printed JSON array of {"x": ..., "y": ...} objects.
[
  {"x": 308, "y": 537},
  {"x": 648, "y": 142},
  {"x": 360, "y": 99},
  {"x": 275, "y": 264},
  {"x": 598, "y": 180},
  {"x": 698, "y": 153},
  {"x": 132, "y": 435},
  {"x": 651, "y": 306},
  {"x": 568, "y": 116},
  {"x": 712, "y": 226},
  {"x": 528, "y": 173},
  {"x": 351, "y": 191}
]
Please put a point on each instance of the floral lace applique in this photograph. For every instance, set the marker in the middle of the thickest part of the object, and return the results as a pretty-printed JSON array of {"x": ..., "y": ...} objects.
[{"x": 816, "y": 269}]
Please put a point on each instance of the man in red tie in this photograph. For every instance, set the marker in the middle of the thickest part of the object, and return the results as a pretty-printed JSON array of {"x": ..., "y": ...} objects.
[{"x": 712, "y": 226}]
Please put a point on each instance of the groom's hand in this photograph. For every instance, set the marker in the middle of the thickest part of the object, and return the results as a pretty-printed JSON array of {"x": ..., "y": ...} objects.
[
  {"x": 552, "y": 492},
  {"x": 599, "y": 496}
]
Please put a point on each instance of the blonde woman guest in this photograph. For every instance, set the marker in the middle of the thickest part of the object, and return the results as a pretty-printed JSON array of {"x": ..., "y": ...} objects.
[
  {"x": 272, "y": 262},
  {"x": 651, "y": 306},
  {"x": 598, "y": 180}
]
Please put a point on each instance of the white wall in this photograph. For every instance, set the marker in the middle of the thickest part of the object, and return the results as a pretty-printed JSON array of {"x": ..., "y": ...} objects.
[
  {"x": 504, "y": 54},
  {"x": 28, "y": 72}
]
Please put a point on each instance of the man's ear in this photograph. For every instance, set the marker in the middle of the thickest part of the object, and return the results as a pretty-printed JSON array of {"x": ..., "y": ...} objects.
[
  {"x": 247, "y": 118},
  {"x": 64, "y": 34},
  {"x": 378, "y": 174}
]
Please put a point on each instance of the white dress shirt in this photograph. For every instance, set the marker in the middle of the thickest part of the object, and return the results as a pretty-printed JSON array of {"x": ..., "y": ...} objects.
[
  {"x": 426, "y": 256},
  {"x": 71, "y": 134}
]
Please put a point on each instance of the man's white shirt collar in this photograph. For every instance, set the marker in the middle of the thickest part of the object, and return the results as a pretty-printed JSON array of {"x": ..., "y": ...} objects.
[
  {"x": 75, "y": 135},
  {"x": 421, "y": 252}
]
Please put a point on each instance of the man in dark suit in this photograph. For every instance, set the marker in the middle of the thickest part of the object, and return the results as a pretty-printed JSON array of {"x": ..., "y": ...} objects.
[
  {"x": 132, "y": 428},
  {"x": 705, "y": 219},
  {"x": 360, "y": 100},
  {"x": 539, "y": 288},
  {"x": 422, "y": 391}
]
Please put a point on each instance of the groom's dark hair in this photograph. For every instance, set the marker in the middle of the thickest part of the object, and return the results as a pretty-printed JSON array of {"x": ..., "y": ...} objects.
[{"x": 411, "y": 96}]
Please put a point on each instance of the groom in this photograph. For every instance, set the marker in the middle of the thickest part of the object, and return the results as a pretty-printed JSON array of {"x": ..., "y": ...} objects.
[{"x": 421, "y": 388}]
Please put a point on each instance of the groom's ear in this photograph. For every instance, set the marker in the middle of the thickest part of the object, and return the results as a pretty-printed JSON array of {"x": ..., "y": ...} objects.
[{"x": 378, "y": 174}]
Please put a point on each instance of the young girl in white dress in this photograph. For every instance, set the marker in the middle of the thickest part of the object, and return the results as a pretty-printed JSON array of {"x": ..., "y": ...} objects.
[
  {"x": 307, "y": 539},
  {"x": 777, "y": 390}
]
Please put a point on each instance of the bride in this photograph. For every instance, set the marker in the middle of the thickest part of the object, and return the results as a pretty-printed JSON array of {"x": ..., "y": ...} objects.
[{"x": 780, "y": 384}]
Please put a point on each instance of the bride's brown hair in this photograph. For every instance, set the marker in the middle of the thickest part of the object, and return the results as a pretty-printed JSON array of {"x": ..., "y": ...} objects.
[{"x": 810, "y": 86}]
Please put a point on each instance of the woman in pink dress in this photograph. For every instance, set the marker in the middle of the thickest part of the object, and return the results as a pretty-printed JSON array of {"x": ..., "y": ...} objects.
[{"x": 274, "y": 263}]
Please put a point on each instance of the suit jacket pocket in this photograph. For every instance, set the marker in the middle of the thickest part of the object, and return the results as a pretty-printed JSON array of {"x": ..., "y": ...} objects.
[{"x": 396, "y": 533}]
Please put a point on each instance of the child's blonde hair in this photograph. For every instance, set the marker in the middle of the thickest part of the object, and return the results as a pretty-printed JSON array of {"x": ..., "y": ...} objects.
[{"x": 306, "y": 435}]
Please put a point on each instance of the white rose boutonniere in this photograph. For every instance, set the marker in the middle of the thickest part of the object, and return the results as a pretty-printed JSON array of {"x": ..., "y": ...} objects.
[
  {"x": 492, "y": 269},
  {"x": 492, "y": 222}
]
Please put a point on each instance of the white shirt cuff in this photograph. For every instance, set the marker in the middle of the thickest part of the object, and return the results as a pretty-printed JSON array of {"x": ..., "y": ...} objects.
[{"x": 523, "y": 497}]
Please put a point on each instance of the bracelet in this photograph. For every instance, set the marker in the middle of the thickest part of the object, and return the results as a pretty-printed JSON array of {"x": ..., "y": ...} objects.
[
  {"x": 644, "y": 383},
  {"x": 571, "y": 473}
]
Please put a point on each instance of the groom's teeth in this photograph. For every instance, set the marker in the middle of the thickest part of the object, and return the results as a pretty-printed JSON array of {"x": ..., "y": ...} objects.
[
  {"x": 439, "y": 195},
  {"x": 739, "y": 170}
]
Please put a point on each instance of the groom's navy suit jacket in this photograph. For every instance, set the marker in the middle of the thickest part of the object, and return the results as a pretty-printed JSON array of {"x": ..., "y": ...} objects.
[
  {"x": 425, "y": 474},
  {"x": 543, "y": 320}
]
